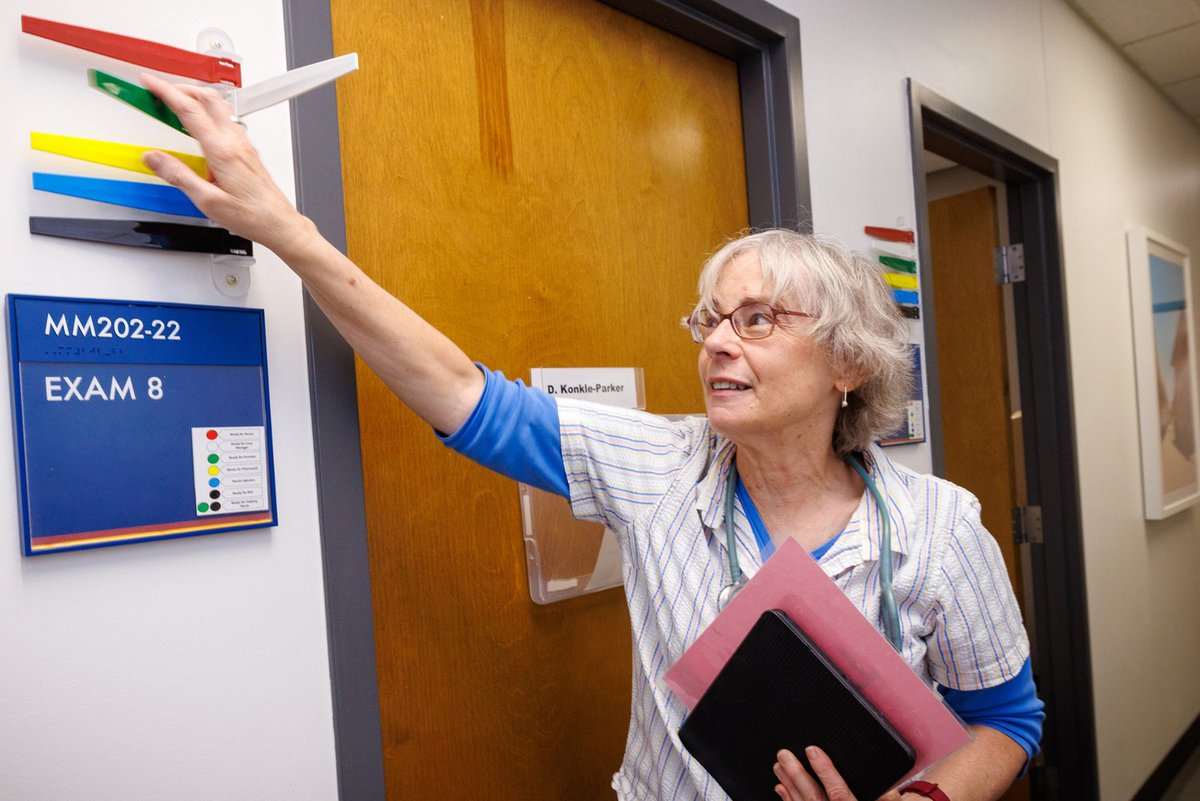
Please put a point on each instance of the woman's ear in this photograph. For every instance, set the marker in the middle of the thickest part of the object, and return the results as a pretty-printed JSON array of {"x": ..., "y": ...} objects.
[{"x": 849, "y": 381}]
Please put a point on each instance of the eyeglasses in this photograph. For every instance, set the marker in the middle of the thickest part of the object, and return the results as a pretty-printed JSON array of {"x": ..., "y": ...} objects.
[{"x": 751, "y": 321}]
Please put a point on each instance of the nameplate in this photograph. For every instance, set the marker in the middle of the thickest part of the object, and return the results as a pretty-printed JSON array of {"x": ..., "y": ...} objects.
[{"x": 613, "y": 386}]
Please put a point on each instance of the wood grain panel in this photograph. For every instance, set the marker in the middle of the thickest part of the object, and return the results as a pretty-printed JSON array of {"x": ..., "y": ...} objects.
[
  {"x": 972, "y": 359},
  {"x": 542, "y": 182},
  {"x": 976, "y": 424}
]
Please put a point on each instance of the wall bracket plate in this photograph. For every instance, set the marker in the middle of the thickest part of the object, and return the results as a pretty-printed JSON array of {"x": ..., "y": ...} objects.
[
  {"x": 215, "y": 42},
  {"x": 231, "y": 275}
]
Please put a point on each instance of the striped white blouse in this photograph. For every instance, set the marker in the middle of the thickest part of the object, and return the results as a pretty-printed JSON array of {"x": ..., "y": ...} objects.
[{"x": 660, "y": 486}]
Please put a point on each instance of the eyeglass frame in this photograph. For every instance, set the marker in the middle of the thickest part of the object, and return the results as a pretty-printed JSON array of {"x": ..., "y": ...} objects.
[{"x": 694, "y": 327}]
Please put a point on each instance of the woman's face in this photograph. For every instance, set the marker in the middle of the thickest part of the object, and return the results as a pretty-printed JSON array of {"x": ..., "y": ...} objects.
[{"x": 770, "y": 391}]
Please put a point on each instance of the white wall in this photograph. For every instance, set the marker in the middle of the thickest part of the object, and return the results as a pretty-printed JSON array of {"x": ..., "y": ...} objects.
[
  {"x": 197, "y": 668},
  {"x": 1127, "y": 159},
  {"x": 186, "y": 669},
  {"x": 856, "y": 56},
  {"x": 1034, "y": 69}
]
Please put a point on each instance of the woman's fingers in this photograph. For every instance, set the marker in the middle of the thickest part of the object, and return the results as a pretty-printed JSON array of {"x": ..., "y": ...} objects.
[
  {"x": 194, "y": 107},
  {"x": 827, "y": 774},
  {"x": 796, "y": 784},
  {"x": 241, "y": 195},
  {"x": 220, "y": 109},
  {"x": 794, "y": 781},
  {"x": 186, "y": 101},
  {"x": 208, "y": 118},
  {"x": 197, "y": 107},
  {"x": 180, "y": 176}
]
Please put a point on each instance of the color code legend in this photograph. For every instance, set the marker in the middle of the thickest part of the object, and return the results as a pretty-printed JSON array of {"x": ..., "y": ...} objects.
[
  {"x": 163, "y": 405},
  {"x": 229, "y": 466}
]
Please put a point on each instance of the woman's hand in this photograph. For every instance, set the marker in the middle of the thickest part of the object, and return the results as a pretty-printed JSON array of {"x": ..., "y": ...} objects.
[
  {"x": 424, "y": 368},
  {"x": 795, "y": 783},
  {"x": 241, "y": 195}
]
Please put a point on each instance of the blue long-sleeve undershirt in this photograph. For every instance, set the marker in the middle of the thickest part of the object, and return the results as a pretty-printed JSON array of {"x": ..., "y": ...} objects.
[{"x": 514, "y": 431}]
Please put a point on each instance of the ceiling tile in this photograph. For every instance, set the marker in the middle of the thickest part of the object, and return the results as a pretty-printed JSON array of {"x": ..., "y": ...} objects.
[
  {"x": 1187, "y": 95},
  {"x": 1126, "y": 21},
  {"x": 1168, "y": 57}
]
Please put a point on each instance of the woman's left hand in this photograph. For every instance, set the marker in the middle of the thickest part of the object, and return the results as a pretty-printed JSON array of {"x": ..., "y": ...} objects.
[{"x": 795, "y": 783}]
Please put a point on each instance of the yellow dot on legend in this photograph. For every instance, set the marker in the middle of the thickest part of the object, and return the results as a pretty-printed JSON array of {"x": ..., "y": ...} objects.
[{"x": 212, "y": 471}]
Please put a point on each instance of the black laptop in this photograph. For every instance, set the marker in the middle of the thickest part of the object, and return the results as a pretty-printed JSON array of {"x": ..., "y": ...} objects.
[{"x": 779, "y": 691}]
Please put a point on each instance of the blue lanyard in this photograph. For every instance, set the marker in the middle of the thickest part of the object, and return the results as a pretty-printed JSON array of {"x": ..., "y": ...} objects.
[{"x": 888, "y": 608}]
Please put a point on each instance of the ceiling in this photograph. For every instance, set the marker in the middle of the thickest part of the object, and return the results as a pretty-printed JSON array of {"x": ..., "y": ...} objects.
[{"x": 1160, "y": 37}]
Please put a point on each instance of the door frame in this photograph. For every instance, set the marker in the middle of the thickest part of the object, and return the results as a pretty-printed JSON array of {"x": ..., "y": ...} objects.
[
  {"x": 765, "y": 43},
  {"x": 1060, "y": 625}
]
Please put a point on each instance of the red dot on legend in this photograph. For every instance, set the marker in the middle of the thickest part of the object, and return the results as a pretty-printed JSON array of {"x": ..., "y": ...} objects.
[{"x": 211, "y": 434}]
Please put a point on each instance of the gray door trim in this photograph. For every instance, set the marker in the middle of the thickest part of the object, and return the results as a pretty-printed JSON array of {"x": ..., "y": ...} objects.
[
  {"x": 1068, "y": 769},
  {"x": 358, "y": 741},
  {"x": 763, "y": 40}
]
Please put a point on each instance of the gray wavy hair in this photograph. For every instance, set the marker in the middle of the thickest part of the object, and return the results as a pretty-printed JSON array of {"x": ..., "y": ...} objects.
[{"x": 857, "y": 323}]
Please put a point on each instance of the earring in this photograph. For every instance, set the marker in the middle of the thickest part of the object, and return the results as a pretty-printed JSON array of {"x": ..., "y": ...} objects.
[{"x": 845, "y": 392}]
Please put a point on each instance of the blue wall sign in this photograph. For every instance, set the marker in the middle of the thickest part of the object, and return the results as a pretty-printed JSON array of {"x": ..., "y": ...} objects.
[{"x": 138, "y": 421}]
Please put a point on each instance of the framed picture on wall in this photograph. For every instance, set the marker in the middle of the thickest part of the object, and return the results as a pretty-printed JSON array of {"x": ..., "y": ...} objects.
[{"x": 1164, "y": 340}]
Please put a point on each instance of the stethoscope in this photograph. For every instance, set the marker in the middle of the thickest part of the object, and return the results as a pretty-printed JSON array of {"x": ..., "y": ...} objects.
[{"x": 888, "y": 609}]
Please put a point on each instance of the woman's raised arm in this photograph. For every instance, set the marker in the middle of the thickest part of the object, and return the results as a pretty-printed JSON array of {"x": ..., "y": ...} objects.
[{"x": 416, "y": 361}]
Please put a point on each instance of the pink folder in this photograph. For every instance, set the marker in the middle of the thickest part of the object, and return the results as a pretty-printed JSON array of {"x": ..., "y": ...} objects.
[{"x": 793, "y": 582}]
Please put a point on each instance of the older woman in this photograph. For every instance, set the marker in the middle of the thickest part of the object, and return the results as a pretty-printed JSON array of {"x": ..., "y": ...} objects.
[{"x": 803, "y": 365}]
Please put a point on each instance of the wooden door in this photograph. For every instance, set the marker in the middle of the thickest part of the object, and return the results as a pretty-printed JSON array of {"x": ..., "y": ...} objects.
[
  {"x": 541, "y": 181},
  {"x": 972, "y": 360},
  {"x": 981, "y": 434}
]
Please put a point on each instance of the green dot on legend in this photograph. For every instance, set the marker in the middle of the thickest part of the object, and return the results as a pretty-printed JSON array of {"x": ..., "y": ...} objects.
[
  {"x": 202, "y": 507},
  {"x": 213, "y": 458}
]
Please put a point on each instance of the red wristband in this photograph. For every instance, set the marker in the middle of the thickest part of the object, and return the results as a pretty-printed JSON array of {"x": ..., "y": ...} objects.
[{"x": 927, "y": 789}]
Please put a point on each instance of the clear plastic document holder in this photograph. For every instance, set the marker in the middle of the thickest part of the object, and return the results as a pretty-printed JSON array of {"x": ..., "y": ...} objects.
[{"x": 566, "y": 557}]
